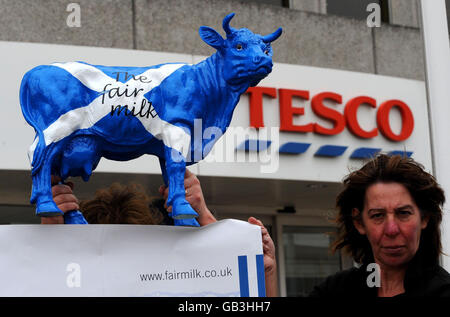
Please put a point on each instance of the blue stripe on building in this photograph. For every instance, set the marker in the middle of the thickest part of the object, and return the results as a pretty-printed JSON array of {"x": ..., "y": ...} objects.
[
  {"x": 330, "y": 150},
  {"x": 254, "y": 145},
  {"x": 402, "y": 153},
  {"x": 294, "y": 148},
  {"x": 365, "y": 152}
]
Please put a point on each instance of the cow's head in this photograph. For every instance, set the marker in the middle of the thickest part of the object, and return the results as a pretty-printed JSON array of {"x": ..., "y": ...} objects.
[{"x": 247, "y": 57}]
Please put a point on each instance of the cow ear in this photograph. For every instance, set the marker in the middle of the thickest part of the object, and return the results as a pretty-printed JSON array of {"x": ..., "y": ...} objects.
[{"x": 211, "y": 37}]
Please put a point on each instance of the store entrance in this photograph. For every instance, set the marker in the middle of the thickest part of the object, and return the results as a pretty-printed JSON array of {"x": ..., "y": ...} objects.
[
  {"x": 304, "y": 254},
  {"x": 307, "y": 258}
]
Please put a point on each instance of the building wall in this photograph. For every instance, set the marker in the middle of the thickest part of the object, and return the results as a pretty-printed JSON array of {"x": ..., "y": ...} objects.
[{"x": 310, "y": 36}]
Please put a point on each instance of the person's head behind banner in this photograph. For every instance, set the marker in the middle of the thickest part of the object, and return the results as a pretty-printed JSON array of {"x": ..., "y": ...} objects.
[{"x": 122, "y": 204}]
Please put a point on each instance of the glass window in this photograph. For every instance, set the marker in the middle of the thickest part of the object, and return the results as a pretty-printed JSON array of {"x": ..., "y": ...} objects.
[
  {"x": 447, "y": 4},
  {"x": 16, "y": 214},
  {"x": 308, "y": 260},
  {"x": 356, "y": 8},
  {"x": 280, "y": 3}
]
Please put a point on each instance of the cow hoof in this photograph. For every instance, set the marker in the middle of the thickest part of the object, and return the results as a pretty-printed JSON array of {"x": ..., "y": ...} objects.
[
  {"x": 182, "y": 211},
  {"x": 74, "y": 217},
  {"x": 186, "y": 222},
  {"x": 48, "y": 209}
]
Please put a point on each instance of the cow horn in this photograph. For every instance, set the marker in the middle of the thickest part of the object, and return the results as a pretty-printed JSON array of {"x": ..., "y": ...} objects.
[
  {"x": 226, "y": 24},
  {"x": 272, "y": 37}
]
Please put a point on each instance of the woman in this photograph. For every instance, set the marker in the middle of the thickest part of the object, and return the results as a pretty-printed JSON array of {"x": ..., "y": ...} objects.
[{"x": 389, "y": 217}]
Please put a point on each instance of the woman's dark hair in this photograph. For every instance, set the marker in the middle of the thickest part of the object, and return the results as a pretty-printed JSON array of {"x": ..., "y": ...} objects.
[
  {"x": 121, "y": 204},
  {"x": 423, "y": 188}
]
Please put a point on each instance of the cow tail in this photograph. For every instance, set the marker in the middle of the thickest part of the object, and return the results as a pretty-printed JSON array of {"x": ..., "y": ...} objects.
[{"x": 27, "y": 111}]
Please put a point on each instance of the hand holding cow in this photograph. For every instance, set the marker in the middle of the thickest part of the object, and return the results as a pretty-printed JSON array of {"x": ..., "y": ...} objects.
[
  {"x": 64, "y": 198},
  {"x": 194, "y": 196}
]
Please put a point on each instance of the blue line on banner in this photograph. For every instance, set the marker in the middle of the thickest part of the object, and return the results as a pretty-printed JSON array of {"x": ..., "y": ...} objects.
[
  {"x": 243, "y": 276},
  {"x": 330, "y": 150},
  {"x": 260, "y": 275},
  {"x": 294, "y": 148}
]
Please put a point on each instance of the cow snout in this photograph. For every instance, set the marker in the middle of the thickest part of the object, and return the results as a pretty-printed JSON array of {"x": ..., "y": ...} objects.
[{"x": 257, "y": 59}]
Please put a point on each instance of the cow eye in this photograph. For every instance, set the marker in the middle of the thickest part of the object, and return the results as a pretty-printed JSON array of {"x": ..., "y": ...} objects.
[{"x": 239, "y": 47}]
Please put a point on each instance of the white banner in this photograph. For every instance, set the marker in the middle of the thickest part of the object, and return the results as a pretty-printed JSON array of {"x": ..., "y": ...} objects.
[{"x": 221, "y": 259}]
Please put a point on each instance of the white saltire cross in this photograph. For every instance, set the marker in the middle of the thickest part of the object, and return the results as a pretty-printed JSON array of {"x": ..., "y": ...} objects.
[{"x": 85, "y": 117}]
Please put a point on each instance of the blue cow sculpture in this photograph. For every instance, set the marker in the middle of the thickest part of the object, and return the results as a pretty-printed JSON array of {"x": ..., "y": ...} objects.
[{"x": 83, "y": 112}]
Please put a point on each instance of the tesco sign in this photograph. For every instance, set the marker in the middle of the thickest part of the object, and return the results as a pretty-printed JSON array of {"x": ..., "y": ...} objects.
[{"x": 339, "y": 121}]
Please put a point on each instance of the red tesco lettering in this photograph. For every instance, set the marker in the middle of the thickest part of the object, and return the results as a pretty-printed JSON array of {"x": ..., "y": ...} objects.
[{"x": 339, "y": 121}]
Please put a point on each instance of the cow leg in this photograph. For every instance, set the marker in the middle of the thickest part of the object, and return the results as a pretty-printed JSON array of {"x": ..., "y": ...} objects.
[
  {"x": 42, "y": 186},
  {"x": 178, "y": 222},
  {"x": 176, "y": 168},
  {"x": 186, "y": 222},
  {"x": 162, "y": 163}
]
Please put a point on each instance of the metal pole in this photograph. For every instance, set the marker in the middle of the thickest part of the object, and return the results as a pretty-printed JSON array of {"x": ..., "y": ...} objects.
[{"x": 437, "y": 64}]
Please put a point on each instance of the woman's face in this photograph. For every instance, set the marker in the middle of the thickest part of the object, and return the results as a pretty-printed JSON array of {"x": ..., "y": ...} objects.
[{"x": 392, "y": 223}]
